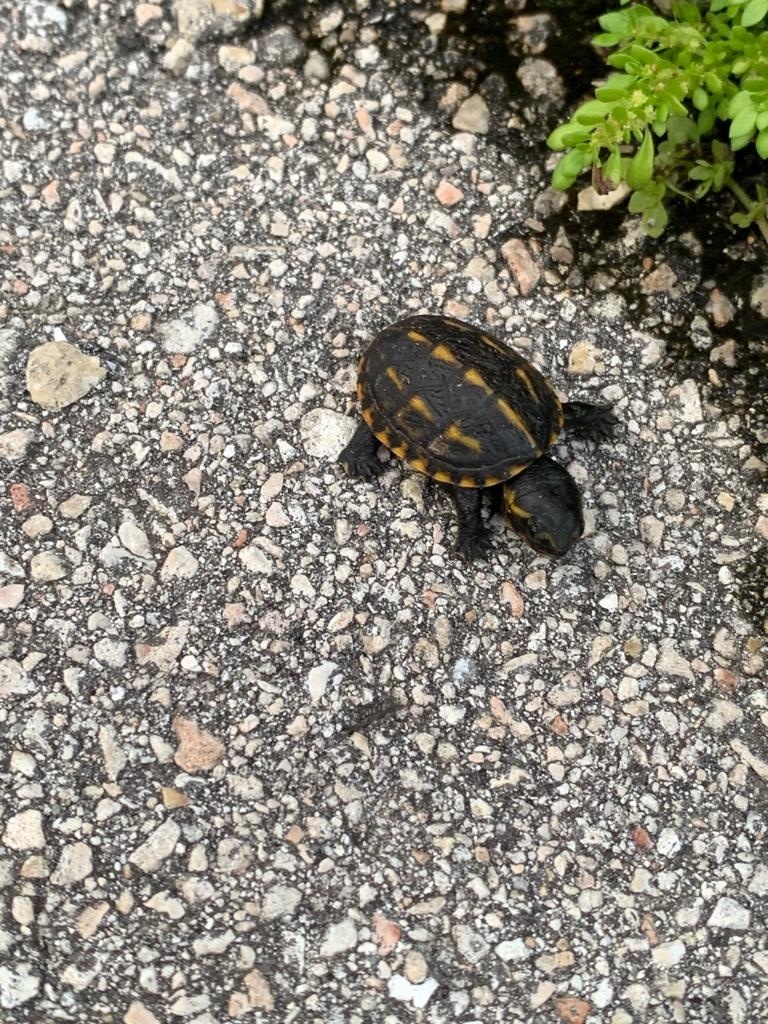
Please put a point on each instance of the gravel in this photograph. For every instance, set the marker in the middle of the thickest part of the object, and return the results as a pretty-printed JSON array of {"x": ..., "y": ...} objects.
[{"x": 269, "y": 748}]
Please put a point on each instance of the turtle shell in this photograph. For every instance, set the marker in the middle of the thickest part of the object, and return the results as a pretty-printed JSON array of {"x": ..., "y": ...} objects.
[{"x": 454, "y": 402}]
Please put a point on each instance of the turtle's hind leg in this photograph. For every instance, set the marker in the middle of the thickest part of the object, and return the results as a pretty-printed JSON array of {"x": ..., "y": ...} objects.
[
  {"x": 473, "y": 540},
  {"x": 586, "y": 420},
  {"x": 359, "y": 457}
]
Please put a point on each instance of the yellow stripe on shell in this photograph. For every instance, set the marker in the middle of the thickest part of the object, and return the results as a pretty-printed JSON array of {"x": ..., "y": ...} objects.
[
  {"x": 495, "y": 344},
  {"x": 400, "y": 450},
  {"x": 395, "y": 377},
  {"x": 444, "y": 354},
  {"x": 442, "y": 477},
  {"x": 520, "y": 372},
  {"x": 468, "y": 481},
  {"x": 476, "y": 380},
  {"x": 516, "y": 420},
  {"x": 417, "y": 336},
  {"x": 455, "y": 433},
  {"x": 418, "y": 405}
]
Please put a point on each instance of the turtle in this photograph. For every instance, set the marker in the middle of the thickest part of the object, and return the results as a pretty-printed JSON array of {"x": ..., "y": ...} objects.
[{"x": 460, "y": 406}]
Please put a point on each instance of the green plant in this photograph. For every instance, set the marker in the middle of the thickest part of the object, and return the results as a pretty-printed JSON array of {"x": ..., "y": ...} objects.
[{"x": 685, "y": 84}]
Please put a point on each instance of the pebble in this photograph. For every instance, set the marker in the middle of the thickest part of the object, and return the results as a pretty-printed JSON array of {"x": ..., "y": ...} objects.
[
  {"x": 324, "y": 433},
  {"x": 521, "y": 264},
  {"x": 24, "y": 831},
  {"x": 179, "y": 563},
  {"x": 134, "y": 539},
  {"x": 11, "y": 595},
  {"x": 157, "y": 847},
  {"x": 46, "y": 567},
  {"x": 280, "y": 901},
  {"x": 339, "y": 938},
  {"x": 187, "y": 333},
  {"x": 197, "y": 749},
  {"x": 728, "y": 913},
  {"x": 472, "y": 116},
  {"x": 404, "y": 991},
  {"x": 14, "y": 443},
  {"x": 59, "y": 374},
  {"x": 668, "y": 954},
  {"x": 75, "y": 864},
  {"x": 470, "y": 944},
  {"x": 17, "y": 986},
  {"x": 512, "y": 949}
]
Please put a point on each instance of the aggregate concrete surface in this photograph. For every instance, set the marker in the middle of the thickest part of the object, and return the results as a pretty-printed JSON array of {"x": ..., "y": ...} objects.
[{"x": 269, "y": 749}]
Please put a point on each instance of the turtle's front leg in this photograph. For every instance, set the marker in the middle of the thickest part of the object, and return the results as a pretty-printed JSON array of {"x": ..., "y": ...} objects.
[
  {"x": 359, "y": 457},
  {"x": 473, "y": 540},
  {"x": 586, "y": 420}
]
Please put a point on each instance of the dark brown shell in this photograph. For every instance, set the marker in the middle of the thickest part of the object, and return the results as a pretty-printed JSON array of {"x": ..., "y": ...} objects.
[{"x": 454, "y": 402}]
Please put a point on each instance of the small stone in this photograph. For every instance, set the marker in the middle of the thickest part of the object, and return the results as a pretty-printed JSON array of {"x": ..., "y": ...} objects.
[
  {"x": 723, "y": 714},
  {"x": 232, "y": 58},
  {"x": 416, "y": 968},
  {"x": 571, "y": 1010},
  {"x": 339, "y": 938},
  {"x": 134, "y": 539},
  {"x": 668, "y": 842},
  {"x": 668, "y": 954},
  {"x": 324, "y": 433},
  {"x": 317, "y": 679},
  {"x": 59, "y": 374},
  {"x": 259, "y": 993},
  {"x": 166, "y": 904},
  {"x": 75, "y": 506},
  {"x": 470, "y": 944},
  {"x": 137, "y": 1013},
  {"x": 280, "y": 901},
  {"x": 75, "y": 864},
  {"x": 729, "y": 914},
  {"x": 187, "y": 333},
  {"x": 198, "y": 750},
  {"x": 14, "y": 443},
  {"x": 89, "y": 920},
  {"x": 157, "y": 847},
  {"x": 24, "y": 831},
  {"x": 104, "y": 152},
  {"x": 248, "y": 101},
  {"x": 514, "y": 949},
  {"x": 522, "y": 265},
  {"x": 472, "y": 116},
  {"x": 144, "y": 13},
  {"x": 510, "y": 595},
  {"x": 583, "y": 358},
  {"x": 13, "y": 679},
  {"x": 46, "y": 567},
  {"x": 21, "y": 499},
  {"x": 759, "y": 296},
  {"x": 179, "y": 57},
  {"x": 686, "y": 399},
  {"x": 447, "y": 194},
  {"x": 387, "y": 934},
  {"x": 11, "y": 595},
  {"x": 181, "y": 563},
  {"x": 720, "y": 308},
  {"x": 17, "y": 986},
  {"x": 541, "y": 79}
]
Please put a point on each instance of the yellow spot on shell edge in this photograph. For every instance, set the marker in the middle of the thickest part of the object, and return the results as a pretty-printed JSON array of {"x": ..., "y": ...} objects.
[{"x": 519, "y": 372}]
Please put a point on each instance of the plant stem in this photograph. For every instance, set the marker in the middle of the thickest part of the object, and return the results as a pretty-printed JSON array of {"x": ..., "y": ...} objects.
[{"x": 746, "y": 202}]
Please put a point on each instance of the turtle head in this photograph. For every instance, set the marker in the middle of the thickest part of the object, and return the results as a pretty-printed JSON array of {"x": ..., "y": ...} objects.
[{"x": 543, "y": 505}]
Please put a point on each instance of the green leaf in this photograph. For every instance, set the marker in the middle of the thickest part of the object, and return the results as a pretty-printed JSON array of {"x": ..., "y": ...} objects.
[
  {"x": 762, "y": 121},
  {"x": 567, "y": 135},
  {"x": 738, "y": 102},
  {"x": 741, "y": 142},
  {"x": 591, "y": 112},
  {"x": 700, "y": 98},
  {"x": 713, "y": 83},
  {"x": 610, "y": 94},
  {"x": 568, "y": 168},
  {"x": 655, "y": 220},
  {"x": 616, "y": 21},
  {"x": 761, "y": 143},
  {"x": 640, "y": 168},
  {"x": 754, "y": 12},
  {"x": 612, "y": 167},
  {"x": 743, "y": 123},
  {"x": 607, "y": 39}
]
